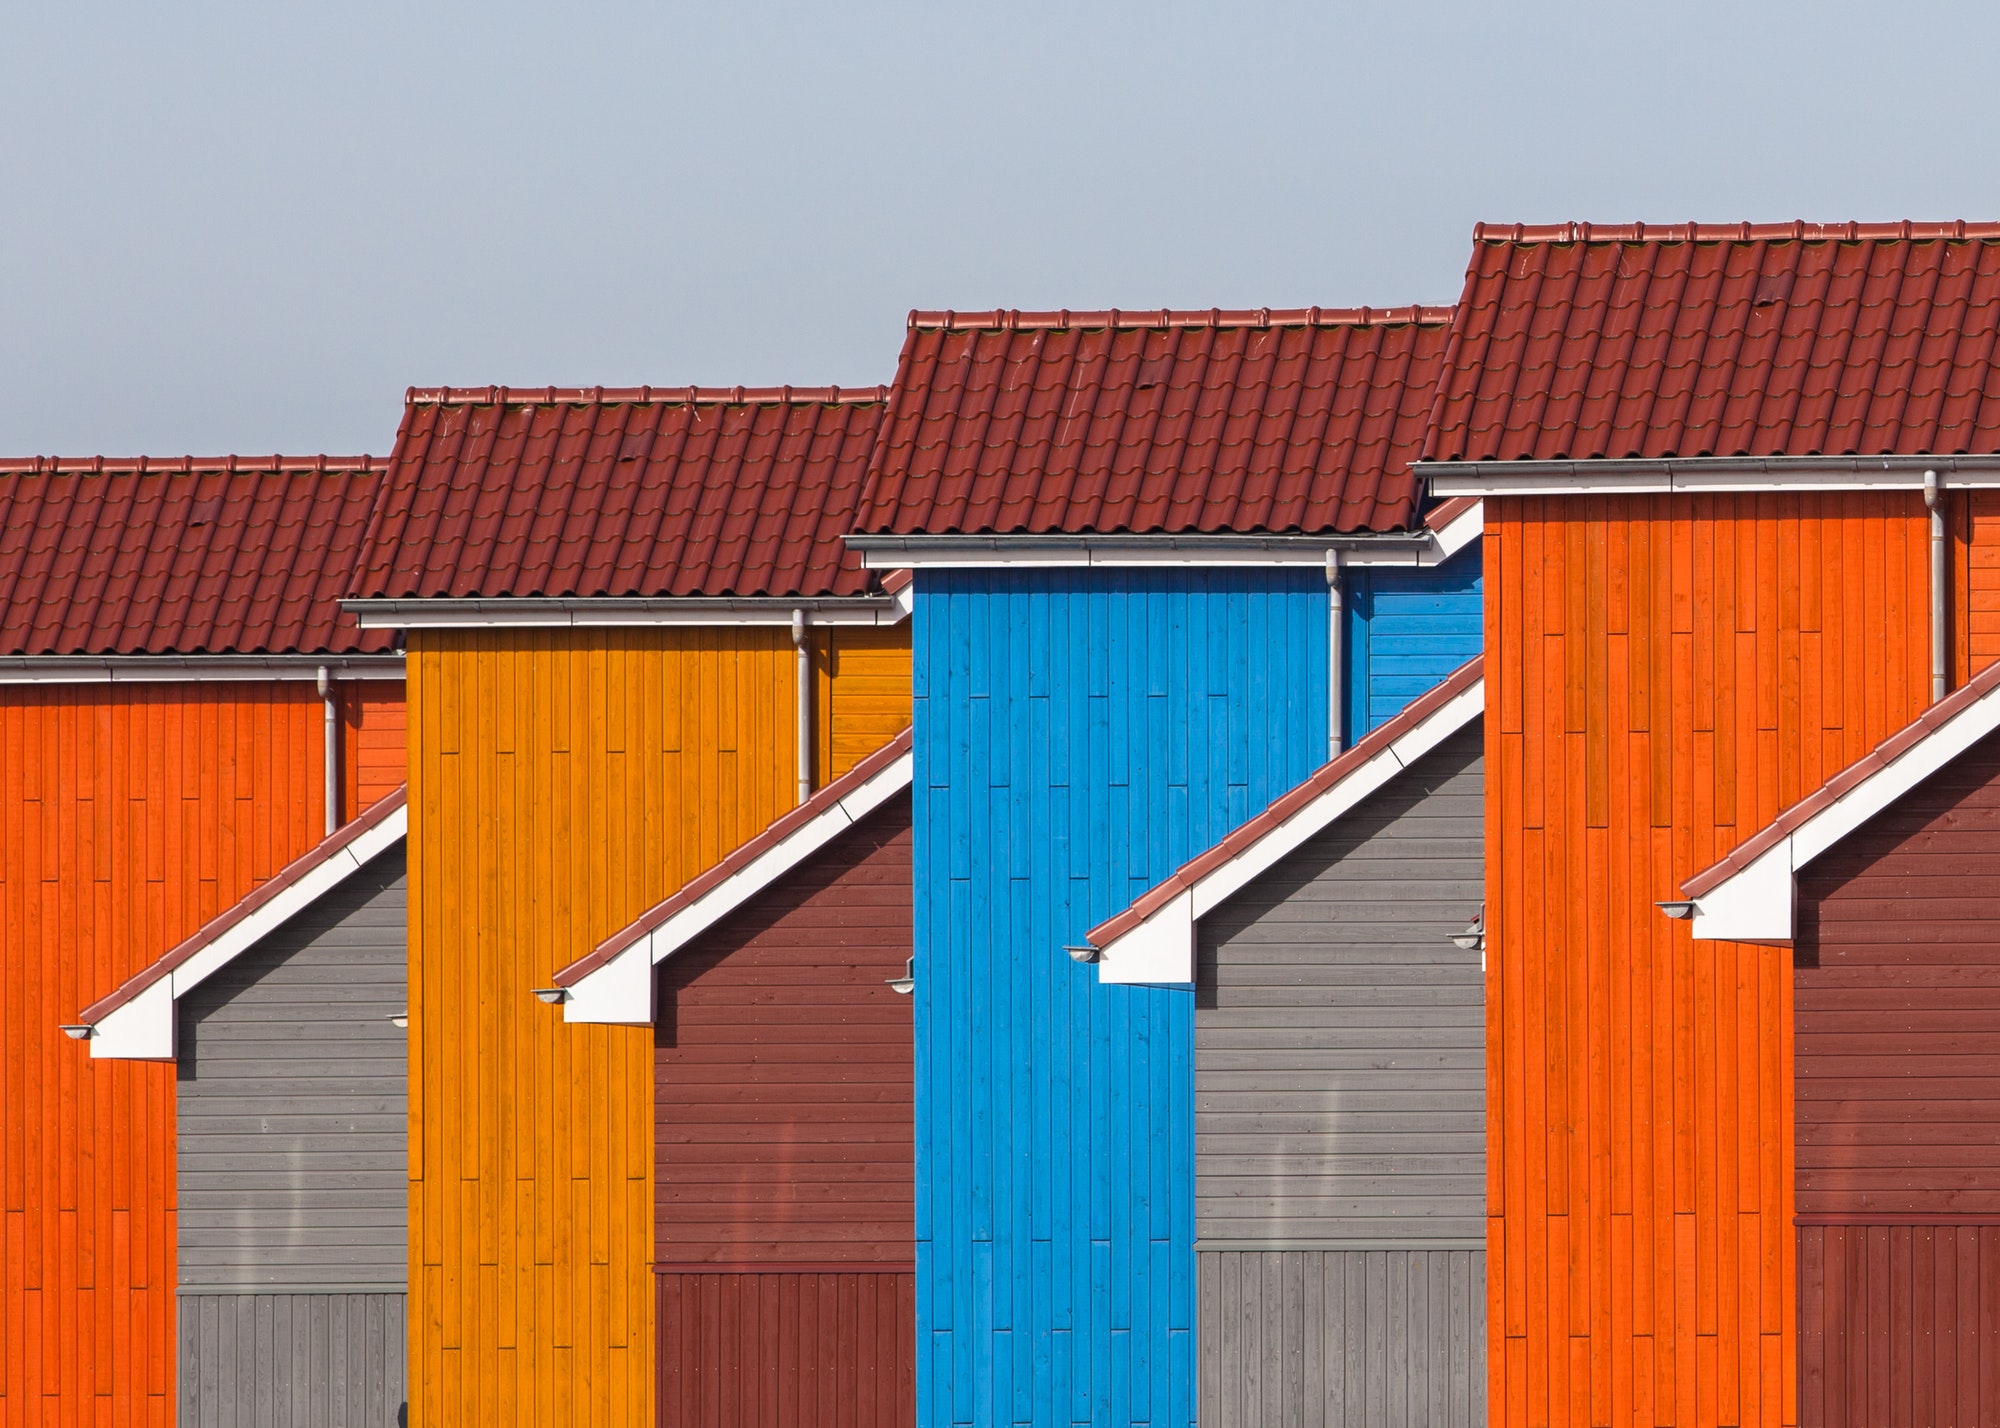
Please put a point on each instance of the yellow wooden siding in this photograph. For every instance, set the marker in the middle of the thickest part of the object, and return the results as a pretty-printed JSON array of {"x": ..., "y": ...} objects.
[
  {"x": 863, "y": 699},
  {"x": 560, "y": 783}
]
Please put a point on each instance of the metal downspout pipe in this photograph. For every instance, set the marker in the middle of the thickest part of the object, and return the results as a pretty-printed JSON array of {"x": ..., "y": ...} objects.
[
  {"x": 332, "y": 742},
  {"x": 1940, "y": 587},
  {"x": 1333, "y": 619},
  {"x": 802, "y": 654}
]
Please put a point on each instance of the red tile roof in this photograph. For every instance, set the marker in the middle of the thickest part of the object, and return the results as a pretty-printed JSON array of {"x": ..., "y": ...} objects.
[
  {"x": 1155, "y": 422},
  {"x": 266, "y": 892},
  {"x": 1325, "y": 779},
  {"x": 1979, "y": 687},
  {"x": 230, "y": 556},
  {"x": 781, "y": 828},
  {"x": 632, "y": 492},
  {"x": 1578, "y": 341}
]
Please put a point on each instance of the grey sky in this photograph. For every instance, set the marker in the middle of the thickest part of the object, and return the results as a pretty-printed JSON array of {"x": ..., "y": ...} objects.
[{"x": 248, "y": 226}]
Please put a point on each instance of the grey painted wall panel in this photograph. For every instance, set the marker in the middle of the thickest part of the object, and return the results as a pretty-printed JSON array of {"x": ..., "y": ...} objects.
[
  {"x": 293, "y": 1173},
  {"x": 1340, "y": 1146},
  {"x": 293, "y": 1115},
  {"x": 275, "y": 1360}
]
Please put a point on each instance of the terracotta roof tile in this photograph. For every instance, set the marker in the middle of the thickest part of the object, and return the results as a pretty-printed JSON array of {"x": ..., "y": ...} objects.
[
  {"x": 1575, "y": 342},
  {"x": 229, "y": 556},
  {"x": 1155, "y": 422},
  {"x": 630, "y": 492}
]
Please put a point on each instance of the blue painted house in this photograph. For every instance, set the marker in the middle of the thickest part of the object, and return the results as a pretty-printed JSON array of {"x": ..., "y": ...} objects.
[{"x": 1143, "y": 544}]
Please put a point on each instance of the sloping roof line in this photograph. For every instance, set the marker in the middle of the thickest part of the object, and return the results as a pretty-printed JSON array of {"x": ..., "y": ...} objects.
[
  {"x": 184, "y": 465},
  {"x": 1904, "y": 230},
  {"x": 822, "y": 803},
  {"x": 247, "y": 907},
  {"x": 1325, "y": 780},
  {"x": 630, "y": 396},
  {"x": 1872, "y": 766},
  {"x": 1160, "y": 319}
]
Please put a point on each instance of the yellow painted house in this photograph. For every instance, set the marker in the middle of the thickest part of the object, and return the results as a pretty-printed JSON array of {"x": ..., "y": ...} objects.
[{"x": 634, "y": 639}]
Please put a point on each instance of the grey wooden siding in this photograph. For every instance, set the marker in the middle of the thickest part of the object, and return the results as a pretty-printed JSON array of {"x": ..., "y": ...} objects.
[
  {"x": 293, "y": 1172},
  {"x": 1340, "y": 1146},
  {"x": 1381, "y": 1338},
  {"x": 274, "y": 1360}
]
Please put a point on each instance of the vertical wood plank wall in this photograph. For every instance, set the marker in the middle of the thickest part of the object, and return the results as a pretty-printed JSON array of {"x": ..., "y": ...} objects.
[
  {"x": 1079, "y": 736},
  {"x": 1406, "y": 630},
  {"x": 1665, "y": 674},
  {"x": 560, "y": 783},
  {"x": 862, "y": 699},
  {"x": 373, "y": 742},
  {"x": 128, "y": 816}
]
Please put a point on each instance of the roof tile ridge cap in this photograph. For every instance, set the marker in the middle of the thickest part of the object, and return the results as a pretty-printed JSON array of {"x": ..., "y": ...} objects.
[
  {"x": 181, "y": 952},
  {"x": 738, "y": 858},
  {"x": 1155, "y": 319},
  {"x": 1323, "y": 780},
  {"x": 1796, "y": 230},
  {"x": 1845, "y": 780},
  {"x": 231, "y": 465}
]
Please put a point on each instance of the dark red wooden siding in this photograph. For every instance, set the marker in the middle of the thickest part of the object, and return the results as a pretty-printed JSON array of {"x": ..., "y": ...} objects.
[
  {"x": 785, "y": 1166},
  {"x": 1898, "y": 1096}
]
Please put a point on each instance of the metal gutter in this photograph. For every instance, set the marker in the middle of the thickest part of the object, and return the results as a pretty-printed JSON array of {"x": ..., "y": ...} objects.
[
  {"x": 156, "y": 669},
  {"x": 894, "y": 552},
  {"x": 538, "y": 611},
  {"x": 1606, "y": 476}
]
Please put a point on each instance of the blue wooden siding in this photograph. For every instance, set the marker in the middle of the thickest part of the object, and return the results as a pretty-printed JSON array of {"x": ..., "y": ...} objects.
[
  {"x": 1406, "y": 629},
  {"x": 1079, "y": 735}
]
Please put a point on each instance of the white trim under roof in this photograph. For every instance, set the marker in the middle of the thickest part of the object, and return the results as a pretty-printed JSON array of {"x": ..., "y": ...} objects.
[
  {"x": 1161, "y": 949},
  {"x": 1758, "y": 901},
  {"x": 145, "y": 1028},
  {"x": 620, "y": 992},
  {"x": 1604, "y": 476},
  {"x": 972, "y": 552},
  {"x": 164, "y": 669},
  {"x": 599, "y": 613}
]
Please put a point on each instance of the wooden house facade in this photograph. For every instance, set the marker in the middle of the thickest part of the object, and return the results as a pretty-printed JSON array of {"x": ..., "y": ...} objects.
[
  {"x": 634, "y": 640},
  {"x": 1127, "y": 532},
  {"x": 165, "y": 747},
  {"x": 1710, "y": 570}
]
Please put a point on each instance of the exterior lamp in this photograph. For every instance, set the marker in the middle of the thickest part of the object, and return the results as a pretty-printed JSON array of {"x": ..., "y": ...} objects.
[
  {"x": 554, "y": 996},
  {"x": 1084, "y": 954},
  {"x": 400, "y": 1019},
  {"x": 79, "y": 1032},
  {"x": 1678, "y": 911},
  {"x": 1473, "y": 939},
  {"x": 902, "y": 986}
]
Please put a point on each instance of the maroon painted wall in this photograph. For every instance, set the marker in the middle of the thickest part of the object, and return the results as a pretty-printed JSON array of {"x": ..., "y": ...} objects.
[
  {"x": 784, "y": 1165},
  {"x": 1898, "y": 1111}
]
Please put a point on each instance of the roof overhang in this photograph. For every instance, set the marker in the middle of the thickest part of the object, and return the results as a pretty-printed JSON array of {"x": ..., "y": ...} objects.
[
  {"x": 595, "y": 613},
  {"x": 137, "y": 1022},
  {"x": 1703, "y": 474},
  {"x": 1752, "y": 894},
  {"x": 614, "y": 983},
  {"x": 1152, "y": 942},
  {"x": 165, "y": 669},
  {"x": 972, "y": 552}
]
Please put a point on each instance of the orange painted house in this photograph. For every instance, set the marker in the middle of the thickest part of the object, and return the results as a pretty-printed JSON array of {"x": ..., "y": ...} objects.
[
  {"x": 163, "y": 749},
  {"x": 635, "y": 638},
  {"x": 1709, "y": 589}
]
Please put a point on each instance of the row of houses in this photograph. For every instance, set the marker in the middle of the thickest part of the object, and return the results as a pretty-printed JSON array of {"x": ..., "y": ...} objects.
[{"x": 1400, "y": 866}]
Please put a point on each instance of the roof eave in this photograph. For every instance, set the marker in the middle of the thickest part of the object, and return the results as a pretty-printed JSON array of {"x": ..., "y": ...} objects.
[
  {"x": 886, "y": 552},
  {"x": 544, "y": 612},
  {"x": 1704, "y": 474},
  {"x": 163, "y": 669}
]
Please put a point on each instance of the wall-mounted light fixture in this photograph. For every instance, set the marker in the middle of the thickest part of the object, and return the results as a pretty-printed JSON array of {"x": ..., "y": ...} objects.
[
  {"x": 1678, "y": 911},
  {"x": 1473, "y": 939},
  {"x": 79, "y": 1032},
  {"x": 400, "y": 1019},
  {"x": 902, "y": 986},
  {"x": 554, "y": 996},
  {"x": 1084, "y": 954}
]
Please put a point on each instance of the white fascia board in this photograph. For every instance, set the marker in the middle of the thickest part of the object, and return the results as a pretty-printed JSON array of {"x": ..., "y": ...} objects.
[
  {"x": 189, "y": 671},
  {"x": 148, "y": 1019},
  {"x": 1140, "y": 552},
  {"x": 1755, "y": 903},
  {"x": 1460, "y": 532},
  {"x": 1713, "y": 474},
  {"x": 1161, "y": 949},
  {"x": 141, "y": 1030},
  {"x": 493, "y": 615},
  {"x": 621, "y": 991}
]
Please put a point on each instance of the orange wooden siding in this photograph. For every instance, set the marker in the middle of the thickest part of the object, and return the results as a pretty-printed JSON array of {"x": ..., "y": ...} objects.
[
  {"x": 372, "y": 739},
  {"x": 863, "y": 695},
  {"x": 560, "y": 783},
  {"x": 129, "y": 815},
  {"x": 1664, "y": 675},
  {"x": 1975, "y": 581}
]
